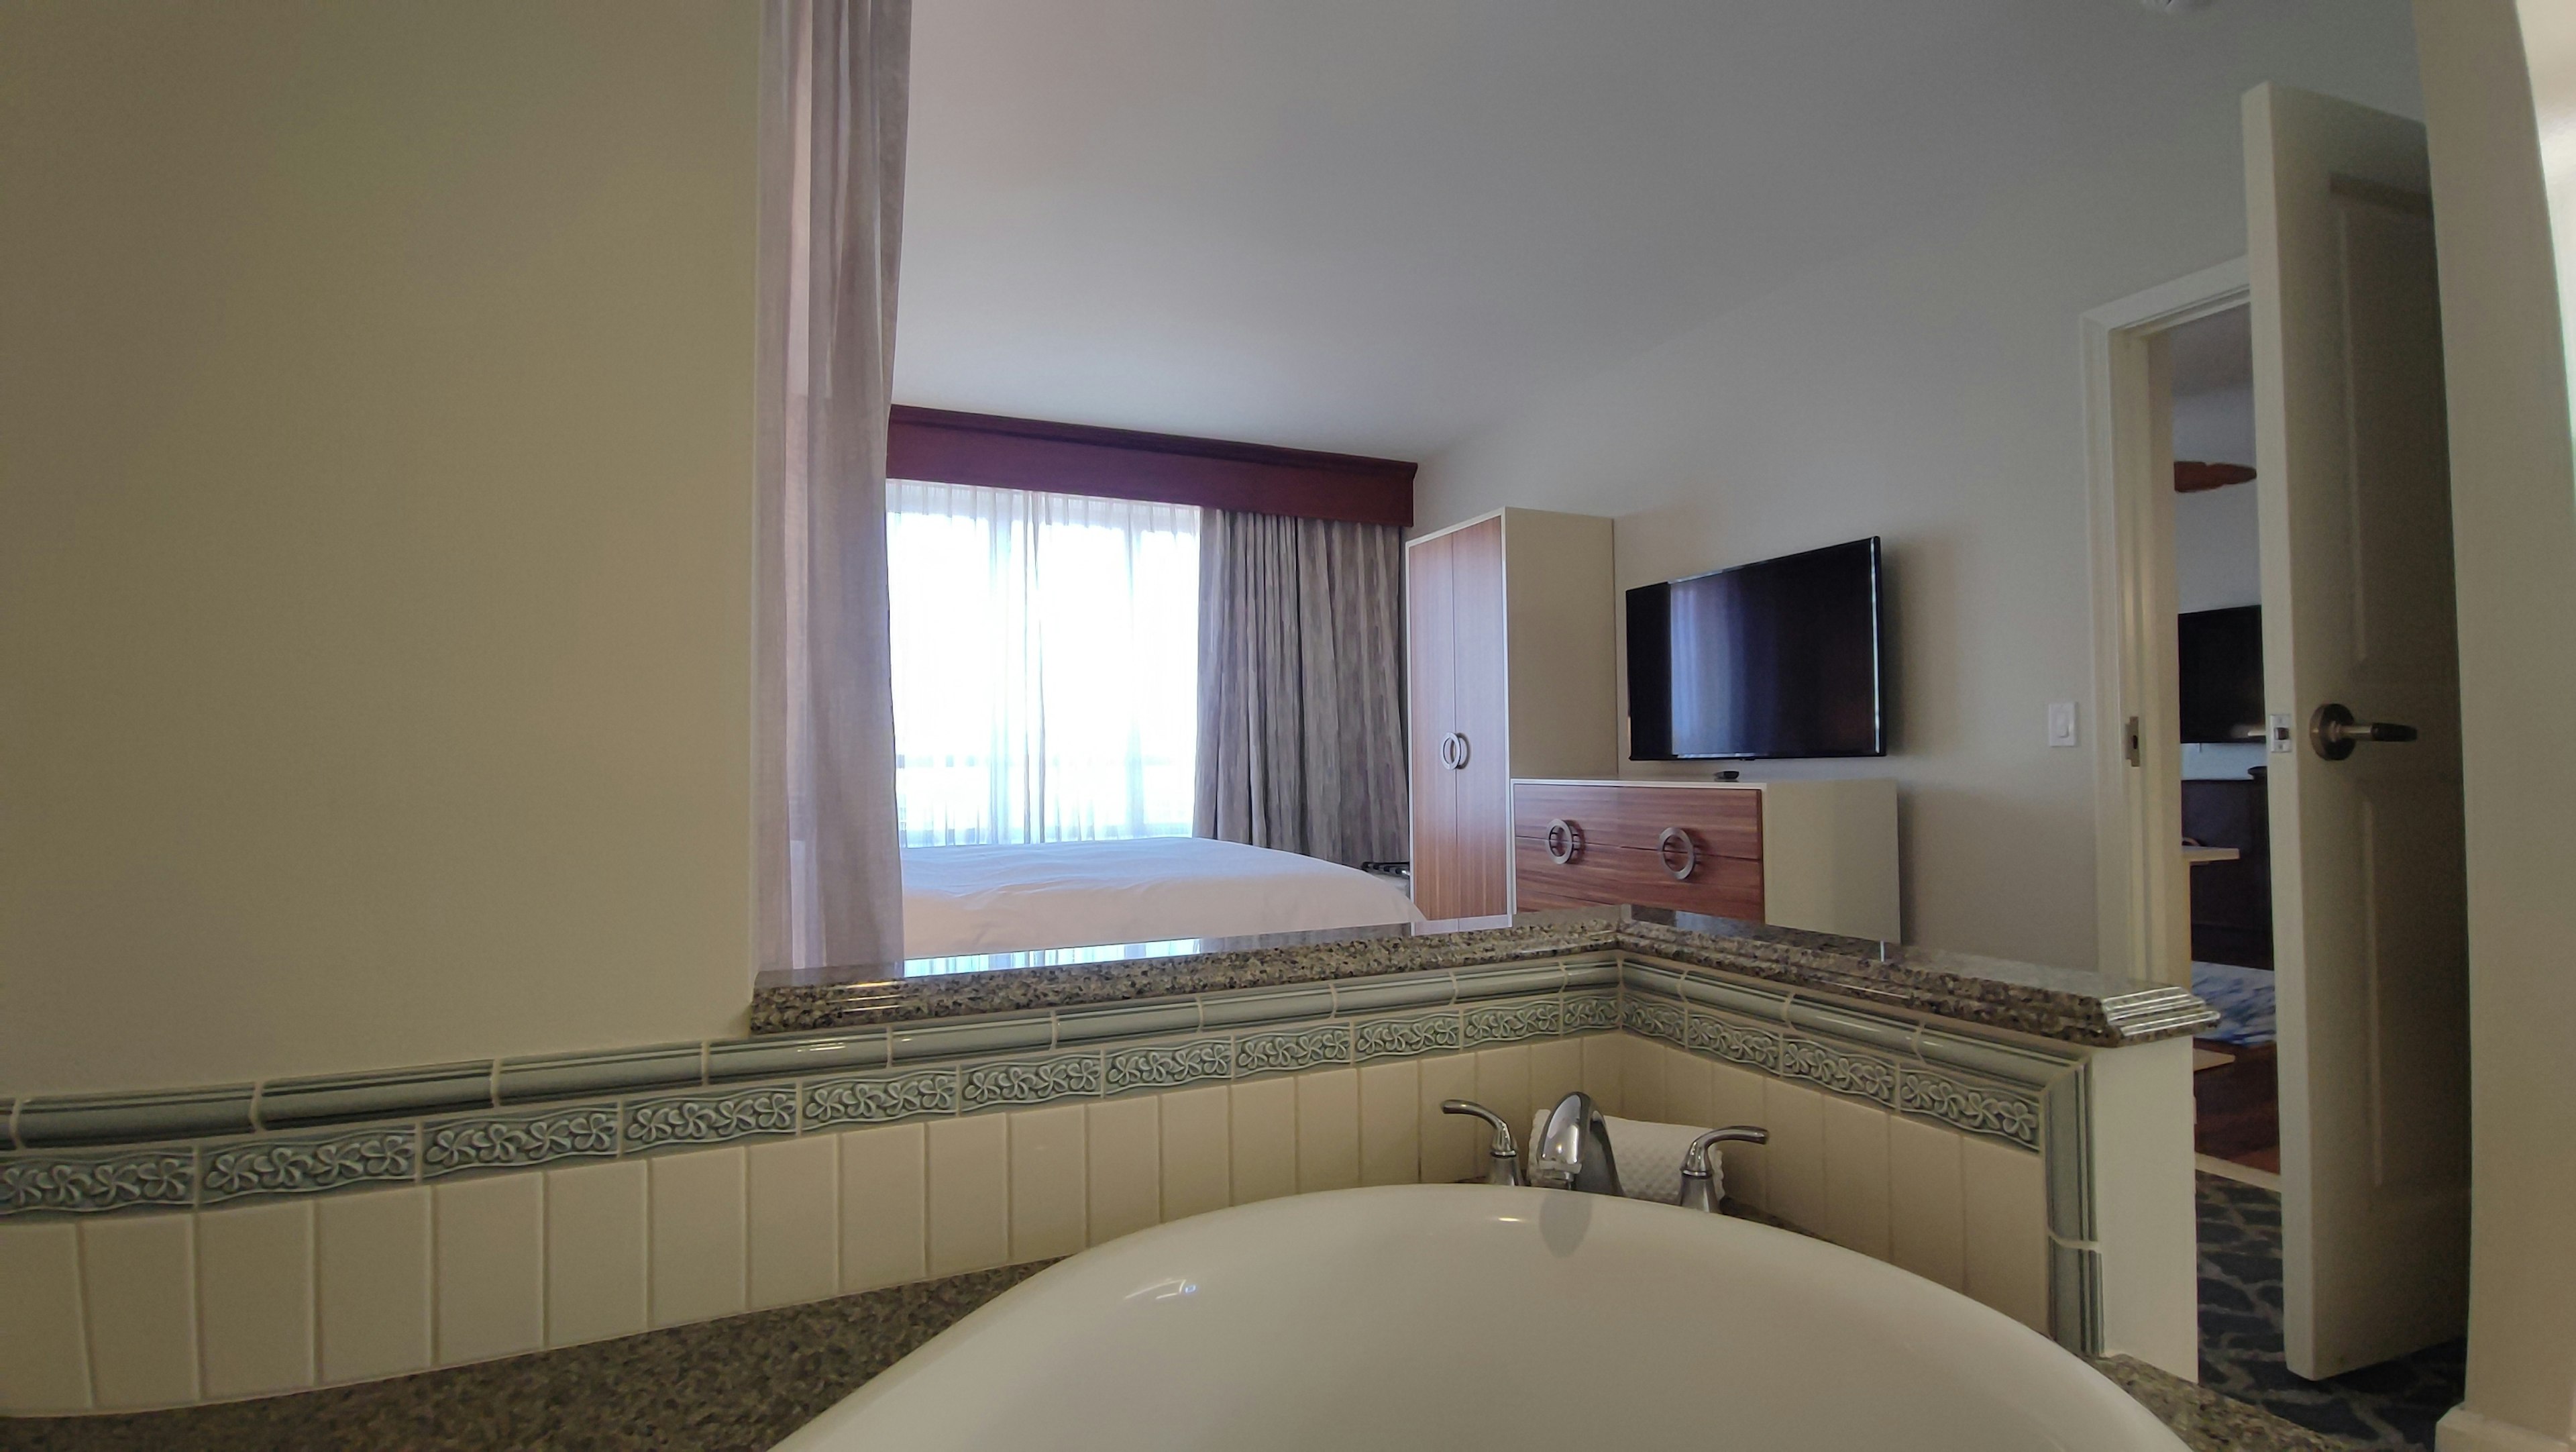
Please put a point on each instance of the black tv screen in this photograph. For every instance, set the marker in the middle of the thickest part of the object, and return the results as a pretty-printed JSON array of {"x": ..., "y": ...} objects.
[
  {"x": 2221, "y": 656},
  {"x": 1777, "y": 658}
]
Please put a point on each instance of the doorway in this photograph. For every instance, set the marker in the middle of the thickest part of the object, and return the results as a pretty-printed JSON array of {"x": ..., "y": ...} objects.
[
  {"x": 2218, "y": 652},
  {"x": 2350, "y": 751}
]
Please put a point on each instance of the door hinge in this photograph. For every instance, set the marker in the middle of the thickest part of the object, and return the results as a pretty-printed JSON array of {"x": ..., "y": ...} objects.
[{"x": 2131, "y": 749}]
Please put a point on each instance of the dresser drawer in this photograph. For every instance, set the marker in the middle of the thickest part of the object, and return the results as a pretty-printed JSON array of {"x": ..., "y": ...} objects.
[
  {"x": 1726, "y": 887},
  {"x": 1725, "y": 823}
]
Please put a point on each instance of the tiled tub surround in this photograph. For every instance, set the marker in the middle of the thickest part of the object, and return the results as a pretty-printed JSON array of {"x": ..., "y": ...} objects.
[{"x": 666, "y": 1186}]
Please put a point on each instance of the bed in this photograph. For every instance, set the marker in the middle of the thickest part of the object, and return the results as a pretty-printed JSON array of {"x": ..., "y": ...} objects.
[{"x": 1003, "y": 899}]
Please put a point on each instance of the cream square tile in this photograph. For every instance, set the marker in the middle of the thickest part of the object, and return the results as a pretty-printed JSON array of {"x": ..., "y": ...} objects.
[
  {"x": 1605, "y": 1058},
  {"x": 1453, "y": 1145},
  {"x": 795, "y": 1220},
  {"x": 1503, "y": 1086},
  {"x": 885, "y": 1206},
  {"x": 2004, "y": 1215},
  {"x": 1641, "y": 1086},
  {"x": 490, "y": 1266},
  {"x": 1794, "y": 1162},
  {"x": 1328, "y": 1130},
  {"x": 596, "y": 1253},
  {"x": 1735, "y": 1097},
  {"x": 255, "y": 1298},
  {"x": 1924, "y": 1205},
  {"x": 1263, "y": 1127},
  {"x": 371, "y": 1276},
  {"x": 1690, "y": 1090},
  {"x": 701, "y": 1243},
  {"x": 1556, "y": 1070},
  {"x": 1198, "y": 1150},
  {"x": 970, "y": 1194},
  {"x": 1124, "y": 1146},
  {"x": 1856, "y": 1175},
  {"x": 138, "y": 1285},
  {"x": 1391, "y": 1123},
  {"x": 44, "y": 1350},
  {"x": 1049, "y": 1186}
]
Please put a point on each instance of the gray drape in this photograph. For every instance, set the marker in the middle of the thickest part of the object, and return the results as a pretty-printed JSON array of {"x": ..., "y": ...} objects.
[
  {"x": 827, "y": 860},
  {"x": 1301, "y": 685}
]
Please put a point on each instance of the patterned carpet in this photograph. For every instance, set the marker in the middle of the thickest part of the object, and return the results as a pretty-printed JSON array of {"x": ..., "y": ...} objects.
[{"x": 2393, "y": 1405}]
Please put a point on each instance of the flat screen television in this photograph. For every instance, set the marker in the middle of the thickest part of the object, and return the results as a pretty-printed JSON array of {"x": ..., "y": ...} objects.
[
  {"x": 2221, "y": 655},
  {"x": 1783, "y": 657}
]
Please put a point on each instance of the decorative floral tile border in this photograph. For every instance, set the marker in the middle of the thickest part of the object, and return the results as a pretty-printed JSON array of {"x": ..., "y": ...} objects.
[
  {"x": 1987, "y": 1087},
  {"x": 419, "y": 1150},
  {"x": 375, "y": 1155},
  {"x": 2003, "y": 1096}
]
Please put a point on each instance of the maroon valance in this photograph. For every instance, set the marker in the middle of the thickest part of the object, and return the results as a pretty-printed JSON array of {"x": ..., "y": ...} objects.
[{"x": 943, "y": 447}]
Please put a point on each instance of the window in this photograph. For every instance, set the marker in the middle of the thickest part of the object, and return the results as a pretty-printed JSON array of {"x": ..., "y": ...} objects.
[{"x": 1045, "y": 664}]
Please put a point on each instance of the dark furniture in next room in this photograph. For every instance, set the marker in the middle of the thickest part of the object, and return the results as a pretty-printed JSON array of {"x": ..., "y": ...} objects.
[{"x": 2231, "y": 902}]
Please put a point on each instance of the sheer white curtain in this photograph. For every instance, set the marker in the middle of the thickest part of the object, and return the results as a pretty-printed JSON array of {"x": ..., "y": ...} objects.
[
  {"x": 1045, "y": 664},
  {"x": 832, "y": 105}
]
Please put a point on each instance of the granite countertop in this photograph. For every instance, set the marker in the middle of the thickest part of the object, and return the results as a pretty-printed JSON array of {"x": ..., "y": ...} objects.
[
  {"x": 2068, "y": 1004},
  {"x": 743, "y": 1384},
  {"x": 2207, "y": 1421}
]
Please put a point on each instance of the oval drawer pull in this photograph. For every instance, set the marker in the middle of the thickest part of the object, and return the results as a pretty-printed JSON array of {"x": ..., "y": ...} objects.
[
  {"x": 1675, "y": 836},
  {"x": 1564, "y": 842}
]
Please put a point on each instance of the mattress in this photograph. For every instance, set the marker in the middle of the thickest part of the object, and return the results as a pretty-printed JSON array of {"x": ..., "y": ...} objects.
[{"x": 1002, "y": 899}]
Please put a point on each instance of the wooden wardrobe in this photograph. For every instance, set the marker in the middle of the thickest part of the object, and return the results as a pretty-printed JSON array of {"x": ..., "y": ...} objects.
[{"x": 1511, "y": 671}]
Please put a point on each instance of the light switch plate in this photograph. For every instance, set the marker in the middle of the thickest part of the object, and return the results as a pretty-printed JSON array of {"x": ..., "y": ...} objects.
[{"x": 2061, "y": 723}]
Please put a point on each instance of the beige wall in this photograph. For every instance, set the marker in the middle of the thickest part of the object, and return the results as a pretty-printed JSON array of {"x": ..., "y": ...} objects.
[
  {"x": 2513, "y": 502},
  {"x": 1926, "y": 387},
  {"x": 375, "y": 481}
]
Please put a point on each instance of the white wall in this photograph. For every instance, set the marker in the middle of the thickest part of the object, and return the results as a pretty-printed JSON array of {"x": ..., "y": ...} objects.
[
  {"x": 2216, "y": 562},
  {"x": 2216, "y": 427},
  {"x": 375, "y": 552},
  {"x": 1925, "y": 387},
  {"x": 2502, "y": 111}
]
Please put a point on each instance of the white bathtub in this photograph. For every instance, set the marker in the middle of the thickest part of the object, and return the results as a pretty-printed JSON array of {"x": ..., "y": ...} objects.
[{"x": 1425, "y": 1316}]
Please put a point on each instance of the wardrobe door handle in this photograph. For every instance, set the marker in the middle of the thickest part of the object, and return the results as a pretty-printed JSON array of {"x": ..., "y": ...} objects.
[
  {"x": 1690, "y": 853},
  {"x": 1449, "y": 751},
  {"x": 1463, "y": 751}
]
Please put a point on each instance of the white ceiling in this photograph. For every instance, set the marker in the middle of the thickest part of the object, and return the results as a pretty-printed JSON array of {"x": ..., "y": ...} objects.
[{"x": 1371, "y": 225}]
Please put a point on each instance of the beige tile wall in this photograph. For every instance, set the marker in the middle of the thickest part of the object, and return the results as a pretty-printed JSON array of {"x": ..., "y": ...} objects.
[{"x": 155, "y": 1310}]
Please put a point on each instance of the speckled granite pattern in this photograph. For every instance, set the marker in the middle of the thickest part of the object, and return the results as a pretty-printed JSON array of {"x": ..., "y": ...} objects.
[
  {"x": 2206, "y": 1420},
  {"x": 735, "y": 1385},
  {"x": 2071, "y": 1005},
  {"x": 855, "y": 997}
]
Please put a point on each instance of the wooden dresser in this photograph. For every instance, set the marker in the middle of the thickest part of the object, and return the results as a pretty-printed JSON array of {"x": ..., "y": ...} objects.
[{"x": 1801, "y": 854}]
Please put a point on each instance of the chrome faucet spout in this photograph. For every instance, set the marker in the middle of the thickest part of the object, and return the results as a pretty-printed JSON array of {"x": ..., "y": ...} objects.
[{"x": 1573, "y": 1149}]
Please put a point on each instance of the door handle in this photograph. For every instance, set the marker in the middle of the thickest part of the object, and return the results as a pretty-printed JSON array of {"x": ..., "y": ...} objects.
[
  {"x": 2334, "y": 731},
  {"x": 1564, "y": 842},
  {"x": 1459, "y": 762}
]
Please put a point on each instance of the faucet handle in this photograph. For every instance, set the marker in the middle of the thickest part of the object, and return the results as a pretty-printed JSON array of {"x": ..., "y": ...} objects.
[
  {"x": 1503, "y": 1158},
  {"x": 1699, "y": 1185}
]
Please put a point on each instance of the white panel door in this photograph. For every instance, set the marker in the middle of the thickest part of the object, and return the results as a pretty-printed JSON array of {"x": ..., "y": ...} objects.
[{"x": 2369, "y": 890}]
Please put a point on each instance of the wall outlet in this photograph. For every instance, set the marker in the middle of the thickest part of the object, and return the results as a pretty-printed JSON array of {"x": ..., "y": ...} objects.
[{"x": 2061, "y": 723}]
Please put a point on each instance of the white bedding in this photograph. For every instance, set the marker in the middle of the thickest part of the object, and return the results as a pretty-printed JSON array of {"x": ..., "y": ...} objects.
[{"x": 959, "y": 900}]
